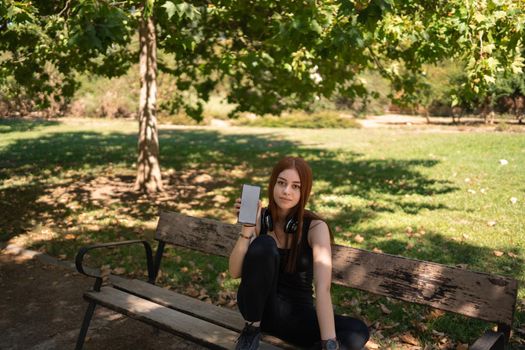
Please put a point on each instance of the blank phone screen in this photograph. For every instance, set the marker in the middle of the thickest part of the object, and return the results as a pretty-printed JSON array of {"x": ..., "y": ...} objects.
[{"x": 249, "y": 204}]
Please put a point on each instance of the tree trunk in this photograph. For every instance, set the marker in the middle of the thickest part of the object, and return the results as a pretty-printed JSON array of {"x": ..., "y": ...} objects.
[
  {"x": 148, "y": 167},
  {"x": 426, "y": 114}
]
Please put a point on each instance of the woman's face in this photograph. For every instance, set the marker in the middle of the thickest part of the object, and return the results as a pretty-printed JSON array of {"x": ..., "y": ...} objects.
[{"x": 287, "y": 190}]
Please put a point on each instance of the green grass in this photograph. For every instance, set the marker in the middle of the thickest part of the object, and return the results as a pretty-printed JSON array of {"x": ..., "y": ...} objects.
[{"x": 432, "y": 196}]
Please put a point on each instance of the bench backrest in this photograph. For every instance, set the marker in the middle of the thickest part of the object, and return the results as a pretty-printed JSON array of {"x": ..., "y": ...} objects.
[{"x": 479, "y": 295}]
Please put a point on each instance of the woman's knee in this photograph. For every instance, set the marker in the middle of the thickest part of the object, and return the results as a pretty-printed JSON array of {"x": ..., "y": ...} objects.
[
  {"x": 263, "y": 247},
  {"x": 353, "y": 335}
]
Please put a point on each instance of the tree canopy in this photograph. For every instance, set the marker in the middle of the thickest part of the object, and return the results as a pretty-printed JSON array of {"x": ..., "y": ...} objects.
[
  {"x": 272, "y": 55},
  {"x": 275, "y": 55}
]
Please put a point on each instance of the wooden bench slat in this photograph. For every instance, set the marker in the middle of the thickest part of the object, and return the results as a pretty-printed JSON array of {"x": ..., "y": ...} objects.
[
  {"x": 205, "y": 235},
  {"x": 191, "y": 306},
  {"x": 218, "y": 315},
  {"x": 167, "y": 319},
  {"x": 475, "y": 294}
]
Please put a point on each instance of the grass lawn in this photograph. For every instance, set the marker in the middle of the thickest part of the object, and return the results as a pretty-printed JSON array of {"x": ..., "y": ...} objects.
[{"x": 451, "y": 197}]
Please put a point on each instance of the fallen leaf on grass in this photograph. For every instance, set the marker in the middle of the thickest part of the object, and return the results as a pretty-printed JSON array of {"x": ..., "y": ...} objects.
[
  {"x": 377, "y": 250},
  {"x": 439, "y": 334},
  {"x": 203, "y": 294},
  {"x": 70, "y": 236},
  {"x": 498, "y": 253},
  {"x": 358, "y": 238},
  {"x": 192, "y": 292},
  {"x": 196, "y": 276},
  {"x": 444, "y": 340},
  {"x": 435, "y": 313},
  {"x": 220, "y": 278},
  {"x": 512, "y": 255},
  {"x": 372, "y": 345},
  {"x": 421, "y": 327},
  {"x": 491, "y": 223},
  {"x": 410, "y": 245},
  {"x": 203, "y": 178},
  {"x": 119, "y": 271},
  {"x": 384, "y": 309},
  {"x": 409, "y": 339}
]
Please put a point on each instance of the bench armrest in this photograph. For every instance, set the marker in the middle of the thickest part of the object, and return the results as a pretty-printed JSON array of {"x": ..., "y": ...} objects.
[
  {"x": 98, "y": 282},
  {"x": 489, "y": 341}
]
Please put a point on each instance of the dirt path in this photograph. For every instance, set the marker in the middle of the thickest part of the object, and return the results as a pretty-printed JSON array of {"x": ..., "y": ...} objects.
[
  {"x": 42, "y": 308},
  {"x": 437, "y": 124}
]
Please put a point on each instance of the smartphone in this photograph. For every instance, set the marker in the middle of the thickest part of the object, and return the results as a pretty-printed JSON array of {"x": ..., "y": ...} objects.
[{"x": 249, "y": 204}]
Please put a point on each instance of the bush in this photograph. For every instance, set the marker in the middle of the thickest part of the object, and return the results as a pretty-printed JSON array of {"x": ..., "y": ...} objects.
[
  {"x": 102, "y": 97},
  {"x": 178, "y": 119},
  {"x": 19, "y": 101},
  {"x": 299, "y": 119}
]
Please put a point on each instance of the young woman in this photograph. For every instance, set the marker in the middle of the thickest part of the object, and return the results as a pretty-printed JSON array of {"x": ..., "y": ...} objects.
[{"x": 280, "y": 260}]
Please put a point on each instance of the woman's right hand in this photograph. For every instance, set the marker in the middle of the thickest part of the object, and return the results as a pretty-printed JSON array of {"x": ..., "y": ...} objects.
[{"x": 237, "y": 208}]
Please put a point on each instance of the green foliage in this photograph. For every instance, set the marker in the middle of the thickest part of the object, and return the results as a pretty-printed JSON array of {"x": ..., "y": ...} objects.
[
  {"x": 274, "y": 56},
  {"x": 317, "y": 120},
  {"x": 483, "y": 36}
]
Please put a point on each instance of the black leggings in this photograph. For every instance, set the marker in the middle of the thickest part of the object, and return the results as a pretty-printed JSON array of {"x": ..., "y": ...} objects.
[{"x": 259, "y": 300}]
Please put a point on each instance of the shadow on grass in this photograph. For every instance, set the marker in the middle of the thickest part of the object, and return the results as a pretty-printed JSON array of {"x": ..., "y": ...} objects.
[
  {"x": 20, "y": 125},
  {"x": 52, "y": 177}
]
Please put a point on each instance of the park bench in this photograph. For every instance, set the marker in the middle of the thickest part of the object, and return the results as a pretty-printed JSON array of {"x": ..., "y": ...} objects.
[{"x": 487, "y": 297}]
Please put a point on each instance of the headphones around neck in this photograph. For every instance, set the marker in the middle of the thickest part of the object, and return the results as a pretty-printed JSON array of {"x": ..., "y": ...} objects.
[{"x": 290, "y": 226}]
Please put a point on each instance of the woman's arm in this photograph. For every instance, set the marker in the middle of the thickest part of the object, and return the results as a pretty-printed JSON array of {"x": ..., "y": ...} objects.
[
  {"x": 239, "y": 251},
  {"x": 247, "y": 235},
  {"x": 319, "y": 237}
]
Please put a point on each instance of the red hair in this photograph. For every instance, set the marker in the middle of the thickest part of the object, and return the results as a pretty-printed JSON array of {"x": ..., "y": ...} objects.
[{"x": 298, "y": 212}]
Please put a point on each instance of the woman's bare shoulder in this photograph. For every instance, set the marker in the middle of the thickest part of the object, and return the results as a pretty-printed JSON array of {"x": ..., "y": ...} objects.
[
  {"x": 318, "y": 232},
  {"x": 316, "y": 223}
]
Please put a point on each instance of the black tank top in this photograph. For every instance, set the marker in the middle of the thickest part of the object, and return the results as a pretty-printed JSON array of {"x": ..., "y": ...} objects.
[{"x": 296, "y": 287}]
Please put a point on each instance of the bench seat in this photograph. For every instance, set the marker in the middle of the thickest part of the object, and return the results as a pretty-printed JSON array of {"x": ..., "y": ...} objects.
[{"x": 206, "y": 324}]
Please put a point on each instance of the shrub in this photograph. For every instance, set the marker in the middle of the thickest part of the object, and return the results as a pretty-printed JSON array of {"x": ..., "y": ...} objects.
[
  {"x": 299, "y": 119},
  {"x": 178, "y": 119}
]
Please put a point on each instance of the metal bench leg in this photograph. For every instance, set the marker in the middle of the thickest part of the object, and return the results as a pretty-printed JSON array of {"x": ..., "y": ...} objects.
[{"x": 85, "y": 325}]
